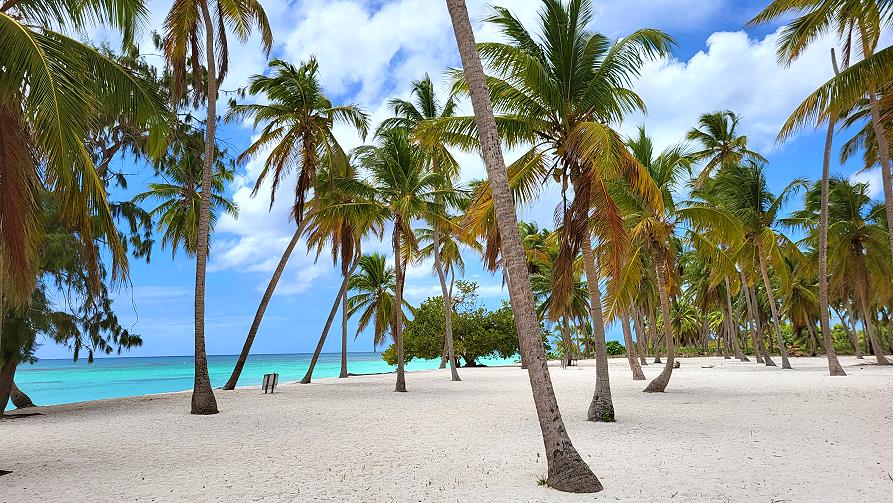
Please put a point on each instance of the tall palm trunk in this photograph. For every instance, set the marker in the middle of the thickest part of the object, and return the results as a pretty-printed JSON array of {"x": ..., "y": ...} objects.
[
  {"x": 262, "y": 308},
  {"x": 640, "y": 335},
  {"x": 759, "y": 325},
  {"x": 849, "y": 322},
  {"x": 346, "y": 274},
  {"x": 752, "y": 321},
  {"x": 19, "y": 398},
  {"x": 339, "y": 299},
  {"x": 566, "y": 469},
  {"x": 447, "y": 308},
  {"x": 733, "y": 333},
  {"x": 203, "y": 401},
  {"x": 659, "y": 384},
  {"x": 785, "y": 364},
  {"x": 398, "y": 303},
  {"x": 652, "y": 322},
  {"x": 638, "y": 375},
  {"x": 602, "y": 407},
  {"x": 565, "y": 330},
  {"x": 7, "y": 375},
  {"x": 868, "y": 322}
]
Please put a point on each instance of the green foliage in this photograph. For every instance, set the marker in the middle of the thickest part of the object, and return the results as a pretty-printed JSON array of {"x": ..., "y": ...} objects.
[
  {"x": 615, "y": 348},
  {"x": 477, "y": 332}
]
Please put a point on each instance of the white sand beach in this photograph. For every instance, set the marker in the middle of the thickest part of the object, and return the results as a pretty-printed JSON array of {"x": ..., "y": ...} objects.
[{"x": 733, "y": 432}]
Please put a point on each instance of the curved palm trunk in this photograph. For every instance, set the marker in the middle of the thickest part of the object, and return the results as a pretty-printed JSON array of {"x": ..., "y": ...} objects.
[
  {"x": 849, "y": 326},
  {"x": 640, "y": 335},
  {"x": 785, "y": 364},
  {"x": 652, "y": 321},
  {"x": 398, "y": 312},
  {"x": 733, "y": 335},
  {"x": 638, "y": 375},
  {"x": 566, "y": 469},
  {"x": 759, "y": 326},
  {"x": 7, "y": 374},
  {"x": 752, "y": 322},
  {"x": 19, "y": 398},
  {"x": 602, "y": 407},
  {"x": 447, "y": 309},
  {"x": 834, "y": 367},
  {"x": 262, "y": 308},
  {"x": 659, "y": 384},
  {"x": 868, "y": 322},
  {"x": 342, "y": 293},
  {"x": 813, "y": 337},
  {"x": 203, "y": 401},
  {"x": 346, "y": 275}
]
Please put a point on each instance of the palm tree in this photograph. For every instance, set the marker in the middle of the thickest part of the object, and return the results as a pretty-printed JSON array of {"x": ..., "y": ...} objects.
[
  {"x": 566, "y": 469},
  {"x": 180, "y": 194},
  {"x": 864, "y": 21},
  {"x": 185, "y": 23},
  {"x": 743, "y": 191},
  {"x": 405, "y": 191},
  {"x": 52, "y": 89},
  {"x": 721, "y": 145},
  {"x": 333, "y": 223},
  {"x": 559, "y": 96},
  {"x": 375, "y": 285},
  {"x": 412, "y": 116},
  {"x": 298, "y": 120}
]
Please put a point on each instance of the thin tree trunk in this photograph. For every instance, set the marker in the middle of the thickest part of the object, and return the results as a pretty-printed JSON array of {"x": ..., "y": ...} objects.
[
  {"x": 398, "y": 313},
  {"x": 343, "y": 374},
  {"x": 447, "y": 308},
  {"x": 566, "y": 341},
  {"x": 851, "y": 314},
  {"x": 851, "y": 335},
  {"x": 652, "y": 320},
  {"x": 19, "y": 398},
  {"x": 785, "y": 364},
  {"x": 640, "y": 335},
  {"x": 262, "y": 308},
  {"x": 733, "y": 335},
  {"x": 203, "y": 401},
  {"x": 704, "y": 334},
  {"x": 813, "y": 337},
  {"x": 601, "y": 408},
  {"x": 7, "y": 375},
  {"x": 638, "y": 375},
  {"x": 884, "y": 155},
  {"x": 834, "y": 367},
  {"x": 752, "y": 324},
  {"x": 339, "y": 299},
  {"x": 659, "y": 384},
  {"x": 566, "y": 469},
  {"x": 868, "y": 322},
  {"x": 759, "y": 324}
]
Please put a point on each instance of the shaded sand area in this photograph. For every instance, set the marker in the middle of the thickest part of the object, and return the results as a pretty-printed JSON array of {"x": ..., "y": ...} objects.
[{"x": 733, "y": 432}]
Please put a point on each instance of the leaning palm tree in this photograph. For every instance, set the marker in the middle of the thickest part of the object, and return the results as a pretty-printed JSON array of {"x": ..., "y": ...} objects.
[
  {"x": 52, "y": 89},
  {"x": 566, "y": 469},
  {"x": 297, "y": 134},
  {"x": 185, "y": 23},
  {"x": 180, "y": 193},
  {"x": 559, "y": 95},
  {"x": 721, "y": 145},
  {"x": 374, "y": 285}
]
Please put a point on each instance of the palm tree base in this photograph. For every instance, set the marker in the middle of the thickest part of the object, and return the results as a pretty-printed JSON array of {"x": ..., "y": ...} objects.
[
  {"x": 600, "y": 410},
  {"x": 569, "y": 473},
  {"x": 204, "y": 403}
]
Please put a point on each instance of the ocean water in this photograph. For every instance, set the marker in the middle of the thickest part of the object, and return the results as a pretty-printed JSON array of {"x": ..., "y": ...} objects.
[{"x": 51, "y": 382}]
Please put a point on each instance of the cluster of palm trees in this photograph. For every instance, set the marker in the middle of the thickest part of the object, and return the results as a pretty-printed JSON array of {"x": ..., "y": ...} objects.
[{"x": 681, "y": 246}]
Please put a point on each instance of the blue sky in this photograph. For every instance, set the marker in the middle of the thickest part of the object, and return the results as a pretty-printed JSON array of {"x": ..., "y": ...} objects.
[{"x": 370, "y": 51}]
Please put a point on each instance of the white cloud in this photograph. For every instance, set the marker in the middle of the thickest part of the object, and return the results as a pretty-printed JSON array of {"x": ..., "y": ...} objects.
[{"x": 873, "y": 178}]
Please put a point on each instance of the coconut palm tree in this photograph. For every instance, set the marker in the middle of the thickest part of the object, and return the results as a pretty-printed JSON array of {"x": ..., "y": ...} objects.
[
  {"x": 566, "y": 469},
  {"x": 52, "y": 89},
  {"x": 297, "y": 120},
  {"x": 180, "y": 193},
  {"x": 721, "y": 145},
  {"x": 412, "y": 116},
  {"x": 744, "y": 192},
  {"x": 185, "y": 23},
  {"x": 563, "y": 110},
  {"x": 375, "y": 286}
]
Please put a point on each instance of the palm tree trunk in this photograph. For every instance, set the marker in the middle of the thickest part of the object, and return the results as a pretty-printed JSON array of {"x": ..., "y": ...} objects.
[
  {"x": 7, "y": 375},
  {"x": 785, "y": 364},
  {"x": 398, "y": 302},
  {"x": 262, "y": 308},
  {"x": 638, "y": 375},
  {"x": 602, "y": 407},
  {"x": 759, "y": 326},
  {"x": 652, "y": 321},
  {"x": 203, "y": 401},
  {"x": 640, "y": 335},
  {"x": 566, "y": 469},
  {"x": 447, "y": 308},
  {"x": 659, "y": 384},
  {"x": 884, "y": 155},
  {"x": 813, "y": 337},
  {"x": 342, "y": 293},
  {"x": 845, "y": 322},
  {"x": 565, "y": 329},
  {"x": 868, "y": 322},
  {"x": 834, "y": 367},
  {"x": 733, "y": 334},
  {"x": 19, "y": 398},
  {"x": 752, "y": 322},
  {"x": 346, "y": 275}
]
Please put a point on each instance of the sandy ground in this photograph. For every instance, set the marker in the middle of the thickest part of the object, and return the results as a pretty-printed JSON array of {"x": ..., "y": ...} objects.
[{"x": 733, "y": 432}]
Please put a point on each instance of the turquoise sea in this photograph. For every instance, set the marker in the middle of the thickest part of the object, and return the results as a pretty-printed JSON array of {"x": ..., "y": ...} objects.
[{"x": 50, "y": 382}]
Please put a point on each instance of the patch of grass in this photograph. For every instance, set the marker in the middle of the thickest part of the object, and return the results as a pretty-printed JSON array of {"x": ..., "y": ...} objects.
[{"x": 543, "y": 481}]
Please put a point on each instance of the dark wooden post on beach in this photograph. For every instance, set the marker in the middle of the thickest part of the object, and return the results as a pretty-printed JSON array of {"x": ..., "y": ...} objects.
[{"x": 270, "y": 382}]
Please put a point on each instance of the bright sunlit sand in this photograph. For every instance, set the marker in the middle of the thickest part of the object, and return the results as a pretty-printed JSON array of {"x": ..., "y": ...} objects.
[{"x": 732, "y": 432}]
